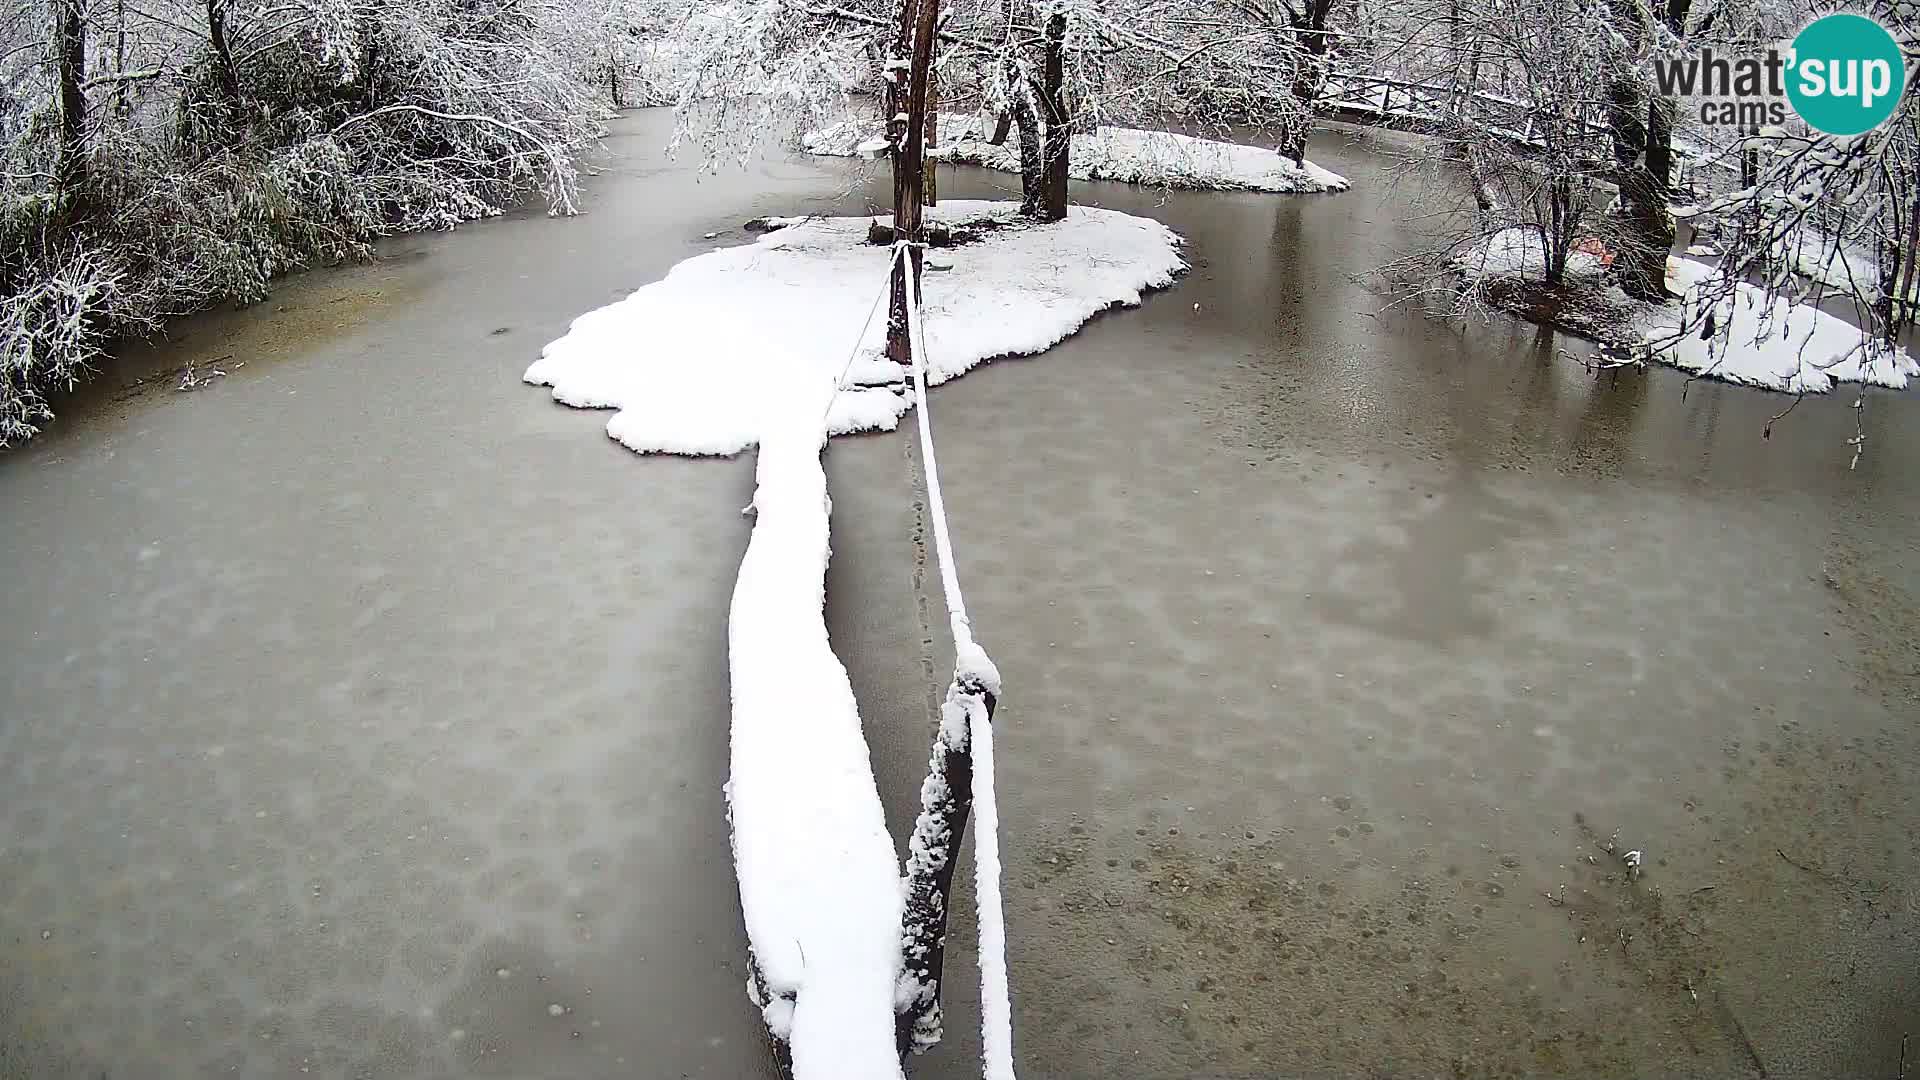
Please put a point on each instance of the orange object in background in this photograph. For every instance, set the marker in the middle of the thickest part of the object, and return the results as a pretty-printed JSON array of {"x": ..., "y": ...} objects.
[{"x": 1595, "y": 247}]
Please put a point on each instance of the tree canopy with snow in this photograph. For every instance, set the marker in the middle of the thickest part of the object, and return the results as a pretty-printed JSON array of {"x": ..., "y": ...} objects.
[{"x": 161, "y": 156}]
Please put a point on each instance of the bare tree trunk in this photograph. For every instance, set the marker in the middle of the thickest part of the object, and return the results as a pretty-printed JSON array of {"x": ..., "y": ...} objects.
[
  {"x": 222, "y": 51},
  {"x": 1310, "y": 41},
  {"x": 1484, "y": 199},
  {"x": 613, "y": 78},
  {"x": 896, "y": 96},
  {"x": 1001, "y": 125},
  {"x": 70, "y": 60},
  {"x": 1642, "y": 261},
  {"x": 1059, "y": 143},
  {"x": 930, "y": 191},
  {"x": 1887, "y": 308},
  {"x": 1557, "y": 245},
  {"x": 1662, "y": 113},
  {"x": 1662, "y": 116},
  {"x": 1652, "y": 218},
  {"x": 1901, "y": 276},
  {"x": 1026, "y": 124},
  {"x": 898, "y": 64},
  {"x": 1459, "y": 96},
  {"x": 122, "y": 103},
  {"x": 909, "y": 162},
  {"x": 370, "y": 59}
]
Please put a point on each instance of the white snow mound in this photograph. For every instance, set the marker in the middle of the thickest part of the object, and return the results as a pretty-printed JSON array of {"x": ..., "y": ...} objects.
[
  {"x": 732, "y": 341},
  {"x": 820, "y": 891},
  {"x": 1795, "y": 348},
  {"x": 1520, "y": 253}
]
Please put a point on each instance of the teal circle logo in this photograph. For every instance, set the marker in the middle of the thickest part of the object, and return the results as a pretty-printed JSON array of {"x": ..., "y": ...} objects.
[{"x": 1847, "y": 74}]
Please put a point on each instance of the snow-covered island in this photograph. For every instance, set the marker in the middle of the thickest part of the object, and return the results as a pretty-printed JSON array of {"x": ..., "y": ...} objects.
[
  {"x": 1125, "y": 155},
  {"x": 735, "y": 341},
  {"x": 761, "y": 344}
]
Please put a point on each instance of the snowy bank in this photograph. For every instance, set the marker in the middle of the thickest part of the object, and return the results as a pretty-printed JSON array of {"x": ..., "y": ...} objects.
[
  {"x": 703, "y": 360},
  {"x": 757, "y": 344},
  {"x": 1795, "y": 348},
  {"x": 1778, "y": 345},
  {"x": 1127, "y": 155}
]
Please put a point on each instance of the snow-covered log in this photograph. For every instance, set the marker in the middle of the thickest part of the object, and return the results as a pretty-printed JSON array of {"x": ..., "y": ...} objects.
[
  {"x": 819, "y": 888},
  {"x": 745, "y": 346}
]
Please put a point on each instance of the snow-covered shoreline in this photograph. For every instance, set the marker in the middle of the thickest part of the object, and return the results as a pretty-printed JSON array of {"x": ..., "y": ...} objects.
[
  {"x": 1125, "y": 155},
  {"x": 701, "y": 361},
  {"x": 1778, "y": 345}
]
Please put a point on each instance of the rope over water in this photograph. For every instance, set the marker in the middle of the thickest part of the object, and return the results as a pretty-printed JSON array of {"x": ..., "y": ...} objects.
[{"x": 974, "y": 677}]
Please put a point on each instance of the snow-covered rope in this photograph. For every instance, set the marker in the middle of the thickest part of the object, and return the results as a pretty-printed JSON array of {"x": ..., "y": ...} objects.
[
  {"x": 943, "y": 543},
  {"x": 853, "y": 354},
  {"x": 974, "y": 674}
]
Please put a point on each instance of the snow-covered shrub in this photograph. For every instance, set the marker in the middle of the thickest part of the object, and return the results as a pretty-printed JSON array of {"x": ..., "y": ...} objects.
[
  {"x": 226, "y": 145},
  {"x": 57, "y": 308}
]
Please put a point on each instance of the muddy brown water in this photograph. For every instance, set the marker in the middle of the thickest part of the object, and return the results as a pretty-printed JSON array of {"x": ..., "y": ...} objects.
[{"x": 365, "y": 712}]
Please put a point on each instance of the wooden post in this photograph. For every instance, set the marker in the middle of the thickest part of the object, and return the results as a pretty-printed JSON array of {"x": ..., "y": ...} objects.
[
  {"x": 223, "y": 53},
  {"x": 938, "y": 830},
  {"x": 909, "y": 164}
]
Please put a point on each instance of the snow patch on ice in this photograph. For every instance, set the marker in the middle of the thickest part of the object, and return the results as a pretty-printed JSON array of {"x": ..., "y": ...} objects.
[
  {"x": 1126, "y": 155},
  {"x": 703, "y": 360}
]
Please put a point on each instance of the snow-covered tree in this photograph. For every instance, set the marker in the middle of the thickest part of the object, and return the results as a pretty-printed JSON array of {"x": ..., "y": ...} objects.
[
  {"x": 1829, "y": 217},
  {"x": 1552, "y": 113},
  {"x": 1512, "y": 96},
  {"x": 164, "y": 155},
  {"x": 1050, "y": 68}
]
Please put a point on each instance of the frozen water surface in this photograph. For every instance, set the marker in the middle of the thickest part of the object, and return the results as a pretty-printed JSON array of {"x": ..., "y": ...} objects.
[{"x": 361, "y": 710}]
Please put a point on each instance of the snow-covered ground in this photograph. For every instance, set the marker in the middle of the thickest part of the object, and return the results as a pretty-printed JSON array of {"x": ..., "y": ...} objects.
[
  {"x": 734, "y": 340},
  {"x": 1784, "y": 346},
  {"x": 1520, "y": 254},
  {"x": 1127, "y": 155},
  {"x": 762, "y": 344},
  {"x": 1846, "y": 266},
  {"x": 1779, "y": 345}
]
